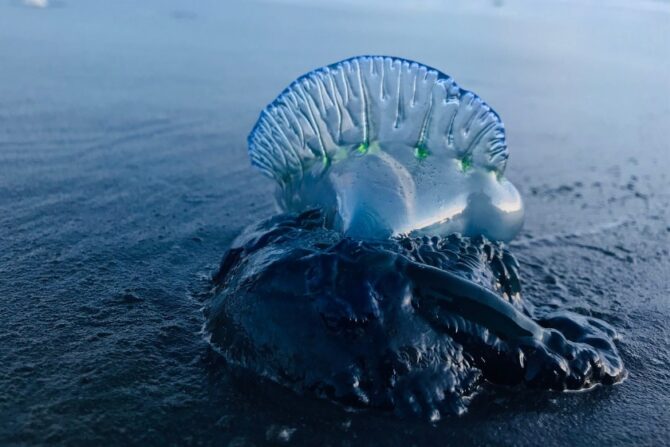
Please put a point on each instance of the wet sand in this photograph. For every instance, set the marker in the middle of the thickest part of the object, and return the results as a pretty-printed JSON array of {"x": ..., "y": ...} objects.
[{"x": 124, "y": 177}]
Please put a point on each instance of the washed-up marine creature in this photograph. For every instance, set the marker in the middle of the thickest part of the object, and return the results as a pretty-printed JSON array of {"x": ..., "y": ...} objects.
[{"x": 385, "y": 281}]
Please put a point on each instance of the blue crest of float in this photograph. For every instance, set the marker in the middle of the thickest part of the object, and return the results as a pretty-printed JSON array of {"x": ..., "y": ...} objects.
[{"x": 387, "y": 146}]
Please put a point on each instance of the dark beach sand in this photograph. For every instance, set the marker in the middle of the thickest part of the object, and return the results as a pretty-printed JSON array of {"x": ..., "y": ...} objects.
[{"x": 124, "y": 177}]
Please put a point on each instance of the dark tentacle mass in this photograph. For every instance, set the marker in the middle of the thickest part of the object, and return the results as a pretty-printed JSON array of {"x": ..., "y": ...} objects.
[{"x": 412, "y": 325}]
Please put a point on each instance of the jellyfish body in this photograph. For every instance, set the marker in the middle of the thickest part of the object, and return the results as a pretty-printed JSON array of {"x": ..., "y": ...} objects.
[
  {"x": 384, "y": 282},
  {"x": 388, "y": 146}
]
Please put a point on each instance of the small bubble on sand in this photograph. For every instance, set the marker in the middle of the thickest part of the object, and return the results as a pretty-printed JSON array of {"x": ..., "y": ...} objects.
[{"x": 279, "y": 433}]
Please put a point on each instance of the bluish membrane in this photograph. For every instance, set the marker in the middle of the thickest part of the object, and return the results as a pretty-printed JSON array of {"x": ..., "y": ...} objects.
[{"x": 388, "y": 146}]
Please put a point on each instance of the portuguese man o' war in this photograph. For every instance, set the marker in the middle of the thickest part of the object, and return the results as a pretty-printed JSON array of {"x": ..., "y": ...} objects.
[{"x": 385, "y": 281}]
